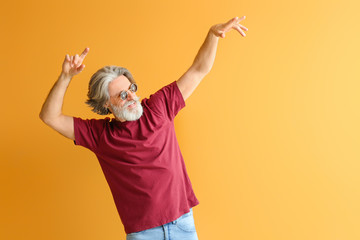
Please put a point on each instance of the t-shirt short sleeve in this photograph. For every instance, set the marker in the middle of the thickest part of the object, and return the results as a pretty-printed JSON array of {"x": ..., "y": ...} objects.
[
  {"x": 167, "y": 101},
  {"x": 87, "y": 132}
]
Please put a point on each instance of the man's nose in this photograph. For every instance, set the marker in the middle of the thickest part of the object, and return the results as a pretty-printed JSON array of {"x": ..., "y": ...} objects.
[{"x": 130, "y": 96}]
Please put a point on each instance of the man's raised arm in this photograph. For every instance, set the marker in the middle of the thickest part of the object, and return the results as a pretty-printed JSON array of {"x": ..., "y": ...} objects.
[
  {"x": 51, "y": 111},
  {"x": 204, "y": 59}
]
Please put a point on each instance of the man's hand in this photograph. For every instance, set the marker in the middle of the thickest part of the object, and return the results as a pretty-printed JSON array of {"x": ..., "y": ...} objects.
[
  {"x": 73, "y": 65},
  {"x": 219, "y": 30}
]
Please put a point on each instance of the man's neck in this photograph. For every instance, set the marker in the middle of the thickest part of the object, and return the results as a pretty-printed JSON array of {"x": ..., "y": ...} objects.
[{"x": 119, "y": 119}]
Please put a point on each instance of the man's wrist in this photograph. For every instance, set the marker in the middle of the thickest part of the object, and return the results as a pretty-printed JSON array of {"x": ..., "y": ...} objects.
[
  {"x": 211, "y": 31},
  {"x": 65, "y": 76},
  {"x": 64, "y": 79}
]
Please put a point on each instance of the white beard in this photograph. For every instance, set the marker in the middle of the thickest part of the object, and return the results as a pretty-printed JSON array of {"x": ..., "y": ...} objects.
[{"x": 124, "y": 112}]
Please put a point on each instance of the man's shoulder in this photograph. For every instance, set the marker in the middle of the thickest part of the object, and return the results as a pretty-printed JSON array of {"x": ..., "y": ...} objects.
[
  {"x": 161, "y": 93},
  {"x": 92, "y": 122},
  {"x": 167, "y": 101},
  {"x": 107, "y": 119}
]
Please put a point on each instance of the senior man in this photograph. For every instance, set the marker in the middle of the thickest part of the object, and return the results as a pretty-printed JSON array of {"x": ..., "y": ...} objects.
[{"x": 137, "y": 149}]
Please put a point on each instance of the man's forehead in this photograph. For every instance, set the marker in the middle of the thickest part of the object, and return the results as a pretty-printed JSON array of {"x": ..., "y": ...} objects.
[{"x": 118, "y": 84}]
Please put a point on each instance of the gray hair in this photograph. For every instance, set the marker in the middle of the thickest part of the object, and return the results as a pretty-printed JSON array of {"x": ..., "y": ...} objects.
[{"x": 98, "y": 87}]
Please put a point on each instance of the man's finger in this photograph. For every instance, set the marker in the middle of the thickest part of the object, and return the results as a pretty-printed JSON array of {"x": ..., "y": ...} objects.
[
  {"x": 230, "y": 23},
  {"x": 239, "y": 30},
  {"x": 80, "y": 68},
  {"x": 84, "y": 53},
  {"x": 76, "y": 60},
  {"x": 242, "y": 27},
  {"x": 242, "y": 18}
]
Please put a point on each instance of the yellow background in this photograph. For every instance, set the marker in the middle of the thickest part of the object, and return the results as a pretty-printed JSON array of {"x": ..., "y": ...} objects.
[{"x": 270, "y": 137}]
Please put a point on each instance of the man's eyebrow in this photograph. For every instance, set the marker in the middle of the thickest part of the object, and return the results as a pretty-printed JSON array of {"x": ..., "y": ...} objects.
[{"x": 117, "y": 94}]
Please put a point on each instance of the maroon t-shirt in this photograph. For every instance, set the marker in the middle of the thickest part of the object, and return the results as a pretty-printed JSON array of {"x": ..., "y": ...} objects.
[{"x": 142, "y": 162}]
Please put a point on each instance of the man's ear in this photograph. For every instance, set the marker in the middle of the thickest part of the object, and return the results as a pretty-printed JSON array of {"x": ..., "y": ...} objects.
[{"x": 106, "y": 105}]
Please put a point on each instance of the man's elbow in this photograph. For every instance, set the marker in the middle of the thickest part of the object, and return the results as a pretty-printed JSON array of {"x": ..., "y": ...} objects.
[
  {"x": 45, "y": 118},
  {"x": 200, "y": 71},
  {"x": 205, "y": 69},
  {"x": 42, "y": 117}
]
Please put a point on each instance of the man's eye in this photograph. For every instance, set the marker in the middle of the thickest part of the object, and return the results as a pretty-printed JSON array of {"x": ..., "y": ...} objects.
[
  {"x": 133, "y": 87},
  {"x": 123, "y": 95}
]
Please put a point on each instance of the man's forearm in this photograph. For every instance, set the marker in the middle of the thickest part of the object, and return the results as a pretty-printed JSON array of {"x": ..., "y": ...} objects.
[
  {"x": 52, "y": 106},
  {"x": 205, "y": 57}
]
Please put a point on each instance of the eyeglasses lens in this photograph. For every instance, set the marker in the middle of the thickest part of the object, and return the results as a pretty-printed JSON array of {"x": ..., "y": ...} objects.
[
  {"x": 133, "y": 87},
  {"x": 124, "y": 94}
]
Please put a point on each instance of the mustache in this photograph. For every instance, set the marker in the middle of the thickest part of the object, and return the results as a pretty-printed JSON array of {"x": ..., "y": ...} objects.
[{"x": 128, "y": 103}]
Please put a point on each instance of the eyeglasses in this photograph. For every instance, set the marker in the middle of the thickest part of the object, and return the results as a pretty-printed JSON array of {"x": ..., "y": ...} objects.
[{"x": 124, "y": 94}]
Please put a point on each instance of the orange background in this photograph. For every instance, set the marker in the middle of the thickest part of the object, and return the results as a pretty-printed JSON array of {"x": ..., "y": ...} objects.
[{"x": 270, "y": 137}]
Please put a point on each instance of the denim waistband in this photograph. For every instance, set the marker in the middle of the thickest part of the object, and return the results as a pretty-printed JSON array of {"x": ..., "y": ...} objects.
[{"x": 183, "y": 216}]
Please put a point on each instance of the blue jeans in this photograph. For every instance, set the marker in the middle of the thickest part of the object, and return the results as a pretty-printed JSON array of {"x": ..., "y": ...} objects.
[{"x": 182, "y": 228}]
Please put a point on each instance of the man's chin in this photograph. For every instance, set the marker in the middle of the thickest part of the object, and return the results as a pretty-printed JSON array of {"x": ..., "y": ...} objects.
[
  {"x": 133, "y": 114},
  {"x": 133, "y": 118}
]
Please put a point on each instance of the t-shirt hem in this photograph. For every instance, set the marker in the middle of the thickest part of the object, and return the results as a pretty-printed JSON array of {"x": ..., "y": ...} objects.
[
  {"x": 140, "y": 228},
  {"x": 76, "y": 130},
  {"x": 183, "y": 104}
]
